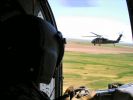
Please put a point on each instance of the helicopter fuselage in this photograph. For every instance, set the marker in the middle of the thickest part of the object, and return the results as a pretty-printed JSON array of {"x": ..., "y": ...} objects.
[
  {"x": 102, "y": 41},
  {"x": 105, "y": 41}
]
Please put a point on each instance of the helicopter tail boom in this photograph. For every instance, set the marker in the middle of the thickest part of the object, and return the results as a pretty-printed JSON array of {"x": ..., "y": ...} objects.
[{"x": 119, "y": 38}]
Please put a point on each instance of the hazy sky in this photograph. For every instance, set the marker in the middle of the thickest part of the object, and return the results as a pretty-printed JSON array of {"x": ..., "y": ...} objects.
[{"x": 77, "y": 18}]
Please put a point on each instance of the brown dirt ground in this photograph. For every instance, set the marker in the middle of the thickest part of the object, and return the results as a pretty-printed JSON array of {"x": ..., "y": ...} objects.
[{"x": 97, "y": 49}]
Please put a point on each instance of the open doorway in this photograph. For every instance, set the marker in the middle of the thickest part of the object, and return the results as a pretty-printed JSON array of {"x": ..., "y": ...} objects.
[{"x": 86, "y": 64}]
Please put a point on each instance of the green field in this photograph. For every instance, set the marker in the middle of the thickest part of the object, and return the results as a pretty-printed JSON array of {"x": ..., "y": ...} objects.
[{"x": 96, "y": 70}]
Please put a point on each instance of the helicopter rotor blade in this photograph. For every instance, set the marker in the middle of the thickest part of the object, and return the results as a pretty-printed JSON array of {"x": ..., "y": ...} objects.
[
  {"x": 96, "y": 34},
  {"x": 89, "y": 36}
]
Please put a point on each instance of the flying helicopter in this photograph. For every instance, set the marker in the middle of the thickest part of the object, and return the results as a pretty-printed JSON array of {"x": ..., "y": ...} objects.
[{"x": 101, "y": 40}]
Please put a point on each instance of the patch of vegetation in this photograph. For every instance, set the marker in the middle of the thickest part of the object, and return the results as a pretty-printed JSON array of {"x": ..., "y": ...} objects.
[
  {"x": 72, "y": 75},
  {"x": 97, "y": 70},
  {"x": 126, "y": 73}
]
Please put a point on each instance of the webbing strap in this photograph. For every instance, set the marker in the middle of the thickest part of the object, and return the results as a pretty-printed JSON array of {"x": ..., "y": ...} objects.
[{"x": 43, "y": 96}]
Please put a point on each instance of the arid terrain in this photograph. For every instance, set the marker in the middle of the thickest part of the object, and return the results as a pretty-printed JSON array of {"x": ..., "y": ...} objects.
[
  {"x": 80, "y": 64},
  {"x": 98, "y": 49}
]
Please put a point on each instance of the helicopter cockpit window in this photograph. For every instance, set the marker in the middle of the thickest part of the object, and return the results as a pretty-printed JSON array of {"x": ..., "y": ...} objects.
[{"x": 99, "y": 47}]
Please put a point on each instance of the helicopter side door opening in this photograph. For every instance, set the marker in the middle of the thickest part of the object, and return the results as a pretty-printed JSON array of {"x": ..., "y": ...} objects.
[{"x": 95, "y": 66}]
